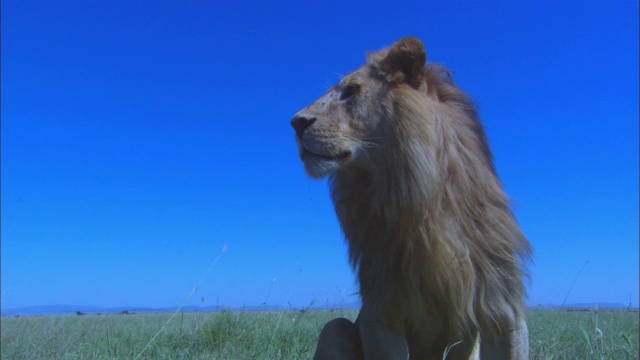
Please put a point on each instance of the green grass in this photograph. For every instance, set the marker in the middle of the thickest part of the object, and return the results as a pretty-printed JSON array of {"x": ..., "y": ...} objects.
[
  {"x": 277, "y": 335},
  {"x": 604, "y": 334},
  {"x": 221, "y": 335}
]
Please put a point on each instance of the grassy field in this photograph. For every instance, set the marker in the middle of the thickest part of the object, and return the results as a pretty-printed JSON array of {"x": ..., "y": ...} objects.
[{"x": 277, "y": 335}]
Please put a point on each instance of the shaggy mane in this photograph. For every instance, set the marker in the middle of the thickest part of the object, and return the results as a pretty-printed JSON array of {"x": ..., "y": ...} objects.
[{"x": 430, "y": 231}]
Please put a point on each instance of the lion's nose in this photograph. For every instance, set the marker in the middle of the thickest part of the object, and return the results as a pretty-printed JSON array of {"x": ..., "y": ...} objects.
[{"x": 300, "y": 123}]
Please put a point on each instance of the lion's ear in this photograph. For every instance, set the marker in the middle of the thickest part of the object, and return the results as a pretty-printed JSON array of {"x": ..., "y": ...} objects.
[{"x": 405, "y": 61}]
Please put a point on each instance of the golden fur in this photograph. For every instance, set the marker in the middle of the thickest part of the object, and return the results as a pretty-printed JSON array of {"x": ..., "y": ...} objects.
[{"x": 438, "y": 252}]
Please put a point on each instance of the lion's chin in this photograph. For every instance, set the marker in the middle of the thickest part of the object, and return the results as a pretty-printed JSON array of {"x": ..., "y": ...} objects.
[{"x": 318, "y": 166}]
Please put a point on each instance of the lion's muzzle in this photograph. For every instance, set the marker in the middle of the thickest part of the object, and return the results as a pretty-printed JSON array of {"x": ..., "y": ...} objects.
[{"x": 300, "y": 123}]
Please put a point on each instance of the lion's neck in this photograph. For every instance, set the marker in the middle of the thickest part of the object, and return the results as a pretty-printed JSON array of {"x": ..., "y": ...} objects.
[{"x": 377, "y": 214}]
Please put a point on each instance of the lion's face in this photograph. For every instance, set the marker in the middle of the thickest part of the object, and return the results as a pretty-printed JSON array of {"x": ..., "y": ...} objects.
[{"x": 337, "y": 129}]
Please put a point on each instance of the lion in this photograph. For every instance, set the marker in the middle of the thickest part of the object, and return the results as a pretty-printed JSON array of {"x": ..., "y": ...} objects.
[{"x": 439, "y": 255}]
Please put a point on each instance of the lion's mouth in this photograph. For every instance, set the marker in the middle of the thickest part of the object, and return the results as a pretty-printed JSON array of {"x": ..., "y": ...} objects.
[{"x": 341, "y": 157}]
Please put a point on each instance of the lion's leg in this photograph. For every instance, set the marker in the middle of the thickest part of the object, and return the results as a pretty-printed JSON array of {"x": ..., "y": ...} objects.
[
  {"x": 378, "y": 342},
  {"x": 496, "y": 350},
  {"x": 475, "y": 352},
  {"x": 519, "y": 341},
  {"x": 516, "y": 347},
  {"x": 339, "y": 340}
]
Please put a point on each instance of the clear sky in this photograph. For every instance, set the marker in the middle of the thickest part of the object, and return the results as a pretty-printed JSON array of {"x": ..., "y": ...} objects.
[{"x": 139, "y": 138}]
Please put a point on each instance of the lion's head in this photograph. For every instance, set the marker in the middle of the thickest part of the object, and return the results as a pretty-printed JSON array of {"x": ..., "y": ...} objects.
[
  {"x": 429, "y": 227},
  {"x": 349, "y": 125}
]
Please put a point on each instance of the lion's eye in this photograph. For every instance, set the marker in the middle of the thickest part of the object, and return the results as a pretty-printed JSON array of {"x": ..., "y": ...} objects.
[{"x": 349, "y": 91}]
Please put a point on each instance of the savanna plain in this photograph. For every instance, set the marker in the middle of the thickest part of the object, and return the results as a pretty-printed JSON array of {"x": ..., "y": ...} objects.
[{"x": 292, "y": 334}]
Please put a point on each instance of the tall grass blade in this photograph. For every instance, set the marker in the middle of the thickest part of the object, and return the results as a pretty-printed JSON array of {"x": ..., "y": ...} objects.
[
  {"x": 448, "y": 349},
  {"x": 224, "y": 249},
  {"x": 587, "y": 340},
  {"x": 109, "y": 343},
  {"x": 574, "y": 282}
]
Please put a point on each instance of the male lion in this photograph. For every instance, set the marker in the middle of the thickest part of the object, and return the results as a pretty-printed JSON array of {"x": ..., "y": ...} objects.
[{"x": 438, "y": 252}]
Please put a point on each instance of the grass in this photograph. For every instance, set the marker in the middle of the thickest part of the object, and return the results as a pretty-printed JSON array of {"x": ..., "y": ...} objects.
[
  {"x": 277, "y": 335},
  {"x": 220, "y": 335},
  {"x": 603, "y": 334}
]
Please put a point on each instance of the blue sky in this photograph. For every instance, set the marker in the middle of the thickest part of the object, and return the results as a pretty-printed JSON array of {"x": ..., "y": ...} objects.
[{"x": 139, "y": 138}]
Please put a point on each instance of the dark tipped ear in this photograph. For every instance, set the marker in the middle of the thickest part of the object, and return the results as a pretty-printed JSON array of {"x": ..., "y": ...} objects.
[{"x": 405, "y": 61}]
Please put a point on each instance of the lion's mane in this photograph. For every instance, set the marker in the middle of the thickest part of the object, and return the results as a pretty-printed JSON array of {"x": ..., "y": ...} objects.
[{"x": 432, "y": 222}]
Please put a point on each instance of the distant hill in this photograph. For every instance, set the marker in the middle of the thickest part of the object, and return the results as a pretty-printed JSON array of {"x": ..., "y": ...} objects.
[
  {"x": 68, "y": 310},
  {"x": 585, "y": 306},
  {"x": 94, "y": 310},
  {"x": 45, "y": 310}
]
